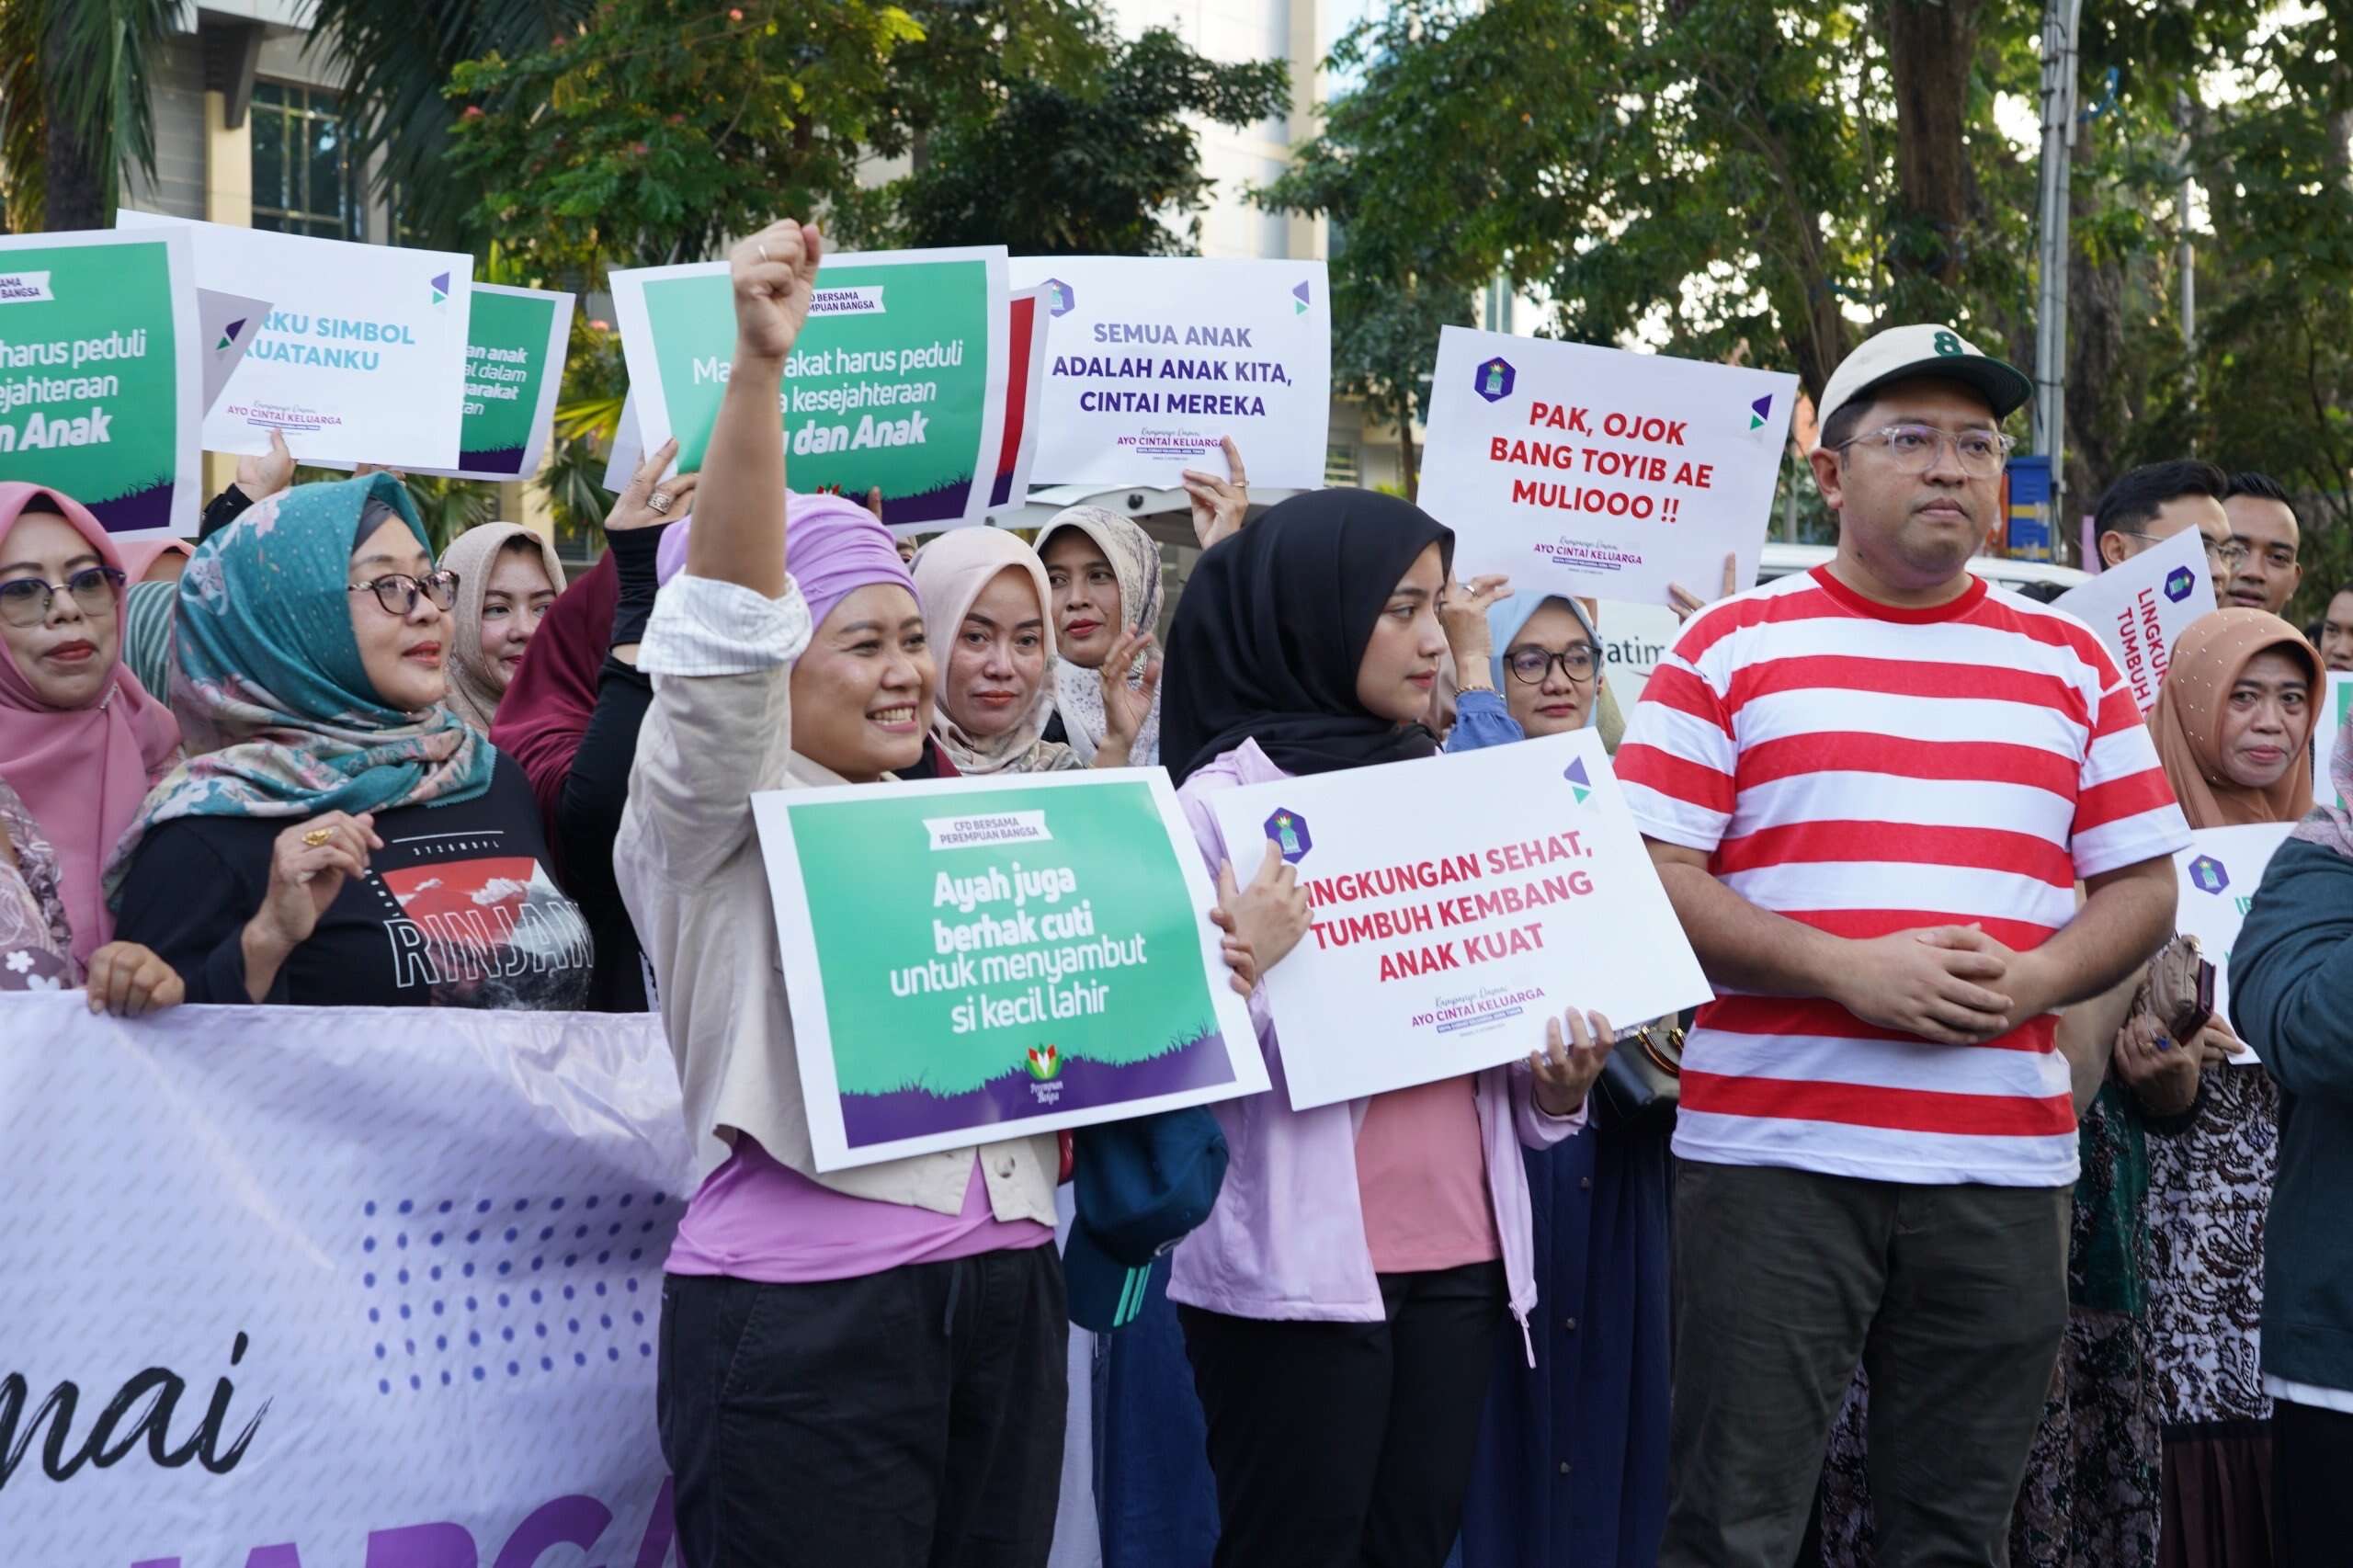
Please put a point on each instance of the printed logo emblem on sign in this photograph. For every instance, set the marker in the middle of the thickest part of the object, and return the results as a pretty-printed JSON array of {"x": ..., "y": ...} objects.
[
  {"x": 1579, "y": 784},
  {"x": 1495, "y": 379},
  {"x": 229, "y": 335},
  {"x": 24, "y": 287},
  {"x": 440, "y": 287},
  {"x": 1288, "y": 830},
  {"x": 2178, "y": 584},
  {"x": 860, "y": 301},
  {"x": 1045, "y": 1065},
  {"x": 998, "y": 827},
  {"x": 1299, "y": 298},
  {"x": 2207, "y": 874},
  {"x": 1060, "y": 298},
  {"x": 1759, "y": 411}
]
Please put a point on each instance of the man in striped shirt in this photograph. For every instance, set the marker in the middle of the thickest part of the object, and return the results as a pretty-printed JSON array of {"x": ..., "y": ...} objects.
[{"x": 1871, "y": 791}]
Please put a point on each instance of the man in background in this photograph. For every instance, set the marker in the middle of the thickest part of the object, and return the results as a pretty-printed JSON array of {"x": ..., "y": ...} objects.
[
  {"x": 2263, "y": 523},
  {"x": 2151, "y": 504}
]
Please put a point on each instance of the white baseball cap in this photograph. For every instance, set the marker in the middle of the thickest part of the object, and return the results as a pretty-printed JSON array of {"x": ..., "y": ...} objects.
[{"x": 1903, "y": 352}]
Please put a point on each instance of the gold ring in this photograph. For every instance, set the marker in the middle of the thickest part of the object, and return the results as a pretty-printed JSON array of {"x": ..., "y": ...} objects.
[
  {"x": 659, "y": 501},
  {"x": 317, "y": 836}
]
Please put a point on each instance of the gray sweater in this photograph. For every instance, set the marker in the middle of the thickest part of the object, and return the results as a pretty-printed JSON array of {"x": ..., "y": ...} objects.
[{"x": 2291, "y": 998}]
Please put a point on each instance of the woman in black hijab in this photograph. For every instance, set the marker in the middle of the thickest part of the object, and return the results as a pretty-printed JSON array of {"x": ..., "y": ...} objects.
[{"x": 1340, "y": 1305}]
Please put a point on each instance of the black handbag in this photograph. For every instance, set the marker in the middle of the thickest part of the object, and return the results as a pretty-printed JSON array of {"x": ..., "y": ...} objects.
[{"x": 1641, "y": 1079}]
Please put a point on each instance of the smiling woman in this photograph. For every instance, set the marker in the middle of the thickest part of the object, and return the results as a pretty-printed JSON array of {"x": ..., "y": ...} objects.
[
  {"x": 508, "y": 578},
  {"x": 340, "y": 838},
  {"x": 986, "y": 602}
]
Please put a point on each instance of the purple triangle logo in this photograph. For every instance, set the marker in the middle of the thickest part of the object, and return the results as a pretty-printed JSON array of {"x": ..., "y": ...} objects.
[
  {"x": 1760, "y": 411},
  {"x": 1575, "y": 773}
]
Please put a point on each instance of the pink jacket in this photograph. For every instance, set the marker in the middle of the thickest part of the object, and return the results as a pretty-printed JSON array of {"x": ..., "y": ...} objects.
[{"x": 1287, "y": 1237}]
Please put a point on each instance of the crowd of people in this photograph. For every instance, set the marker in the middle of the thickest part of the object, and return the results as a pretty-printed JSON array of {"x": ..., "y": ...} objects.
[{"x": 1966, "y": 1234}]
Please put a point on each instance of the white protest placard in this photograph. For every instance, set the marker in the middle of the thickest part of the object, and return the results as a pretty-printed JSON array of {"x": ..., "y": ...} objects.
[
  {"x": 1594, "y": 471},
  {"x": 2140, "y": 609},
  {"x": 373, "y": 1286},
  {"x": 1443, "y": 939},
  {"x": 2217, "y": 876},
  {"x": 227, "y": 325},
  {"x": 1152, "y": 359},
  {"x": 2328, "y": 729},
  {"x": 361, "y": 357},
  {"x": 101, "y": 375},
  {"x": 971, "y": 960}
]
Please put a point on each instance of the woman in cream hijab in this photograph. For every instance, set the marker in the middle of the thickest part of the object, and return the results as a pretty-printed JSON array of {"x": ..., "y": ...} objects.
[
  {"x": 988, "y": 613},
  {"x": 507, "y": 576}
]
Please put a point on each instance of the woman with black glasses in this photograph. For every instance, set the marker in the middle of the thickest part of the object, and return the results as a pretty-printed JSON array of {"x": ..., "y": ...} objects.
[
  {"x": 338, "y": 836},
  {"x": 80, "y": 742}
]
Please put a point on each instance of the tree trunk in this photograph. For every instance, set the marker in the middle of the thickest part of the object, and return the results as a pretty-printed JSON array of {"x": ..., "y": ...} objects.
[
  {"x": 1931, "y": 45},
  {"x": 77, "y": 178},
  {"x": 1410, "y": 466}
]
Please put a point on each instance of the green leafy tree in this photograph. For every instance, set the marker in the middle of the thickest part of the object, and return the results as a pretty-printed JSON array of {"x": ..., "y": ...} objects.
[
  {"x": 659, "y": 127},
  {"x": 76, "y": 105},
  {"x": 1094, "y": 167}
]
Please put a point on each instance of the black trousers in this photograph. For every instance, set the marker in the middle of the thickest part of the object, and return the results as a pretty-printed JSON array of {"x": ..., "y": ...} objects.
[
  {"x": 2311, "y": 1506},
  {"x": 1347, "y": 1445},
  {"x": 908, "y": 1419}
]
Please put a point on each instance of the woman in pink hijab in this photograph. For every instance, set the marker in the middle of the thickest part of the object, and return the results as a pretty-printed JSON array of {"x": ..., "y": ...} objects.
[{"x": 80, "y": 742}]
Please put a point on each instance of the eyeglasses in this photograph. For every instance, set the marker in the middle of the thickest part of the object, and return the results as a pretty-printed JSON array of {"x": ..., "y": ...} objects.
[
  {"x": 1531, "y": 665},
  {"x": 25, "y": 601},
  {"x": 1914, "y": 448},
  {"x": 398, "y": 593},
  {"x": 2229, "y": 553}
]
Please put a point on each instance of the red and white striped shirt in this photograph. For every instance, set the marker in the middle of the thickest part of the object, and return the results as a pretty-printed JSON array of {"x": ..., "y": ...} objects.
[{"x": 1866, "y": 769}]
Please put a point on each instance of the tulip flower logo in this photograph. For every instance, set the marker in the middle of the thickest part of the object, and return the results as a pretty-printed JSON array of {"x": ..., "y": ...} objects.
[{"x": 1044, "y": 1064}]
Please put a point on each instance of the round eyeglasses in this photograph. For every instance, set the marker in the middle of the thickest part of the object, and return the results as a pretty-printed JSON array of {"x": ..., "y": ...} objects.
[
  {"x": 1531, "y": 665},
  {"x": 398, "y": 593},
  {"x": 25, "y": 601}
]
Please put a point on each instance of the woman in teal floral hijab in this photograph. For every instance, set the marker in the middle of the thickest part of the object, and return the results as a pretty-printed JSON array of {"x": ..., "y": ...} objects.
[{"x": 279, "y": 717}]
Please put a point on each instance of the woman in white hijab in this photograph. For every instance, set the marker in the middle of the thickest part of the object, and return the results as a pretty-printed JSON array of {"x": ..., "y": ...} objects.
[{"x": 988, "y": 610}]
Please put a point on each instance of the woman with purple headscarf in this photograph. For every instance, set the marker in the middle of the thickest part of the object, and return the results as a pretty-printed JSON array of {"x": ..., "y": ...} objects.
[{"x": 857, "y": 1366}]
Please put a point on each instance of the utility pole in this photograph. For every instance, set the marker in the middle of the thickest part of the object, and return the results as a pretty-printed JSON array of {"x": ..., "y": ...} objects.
[
  {"x": 2059, "y": 33},
  {"x": 2189, "y": 263}
]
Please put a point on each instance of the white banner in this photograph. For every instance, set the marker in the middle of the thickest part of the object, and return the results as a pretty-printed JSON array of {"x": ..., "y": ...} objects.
[
  {"x": 1443, "y": 938},
  {"x": 2140, "y": 609},
  {"x": 1594, "y": 471},
  {"x": 2217, "y": 876},
  {"x": 361, "y": 357},
  {"x": 1152, "y": 359},
  {"x": 300, "y": 1288}
]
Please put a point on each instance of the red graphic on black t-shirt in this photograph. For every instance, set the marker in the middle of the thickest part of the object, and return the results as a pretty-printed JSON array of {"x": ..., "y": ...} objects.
[{"x": 491, "y": 932}]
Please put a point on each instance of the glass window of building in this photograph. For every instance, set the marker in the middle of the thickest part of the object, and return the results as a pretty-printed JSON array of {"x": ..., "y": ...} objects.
[{"x": 303, "y": 181}]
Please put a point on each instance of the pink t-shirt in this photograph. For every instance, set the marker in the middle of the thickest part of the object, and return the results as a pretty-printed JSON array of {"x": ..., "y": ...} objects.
[
  {"x": 757, "y": 1220},
  {"x": 1422, "y": 1179}
]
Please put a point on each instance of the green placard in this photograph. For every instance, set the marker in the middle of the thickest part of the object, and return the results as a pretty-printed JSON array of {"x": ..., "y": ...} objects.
[{"x": 100, "y": 385}]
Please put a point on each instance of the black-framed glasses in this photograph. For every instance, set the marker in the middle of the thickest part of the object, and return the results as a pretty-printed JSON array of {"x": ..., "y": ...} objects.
[
  {"x": 1914, "y": 448},
  {"x": 25, "y": 601},
  {"x": 2226, "y": 553},
  {"x": 398, "y": 592},
  {"x": 1531, "y": 665}
]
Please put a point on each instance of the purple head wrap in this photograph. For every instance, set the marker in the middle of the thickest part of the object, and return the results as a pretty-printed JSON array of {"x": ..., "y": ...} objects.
[{"x": 833, "y": 548}]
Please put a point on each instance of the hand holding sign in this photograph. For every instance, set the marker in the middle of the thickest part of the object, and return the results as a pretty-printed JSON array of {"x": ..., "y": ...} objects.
[
  {"x": 1218, "y": 504},
  {"x": 1565, "y": 1071},
  {"x": 1270, "y": 916},
  {"x": 1126, "y": 707},
  {"x": 262, "y": 474},
  {"x": 775, "y": 277}
]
